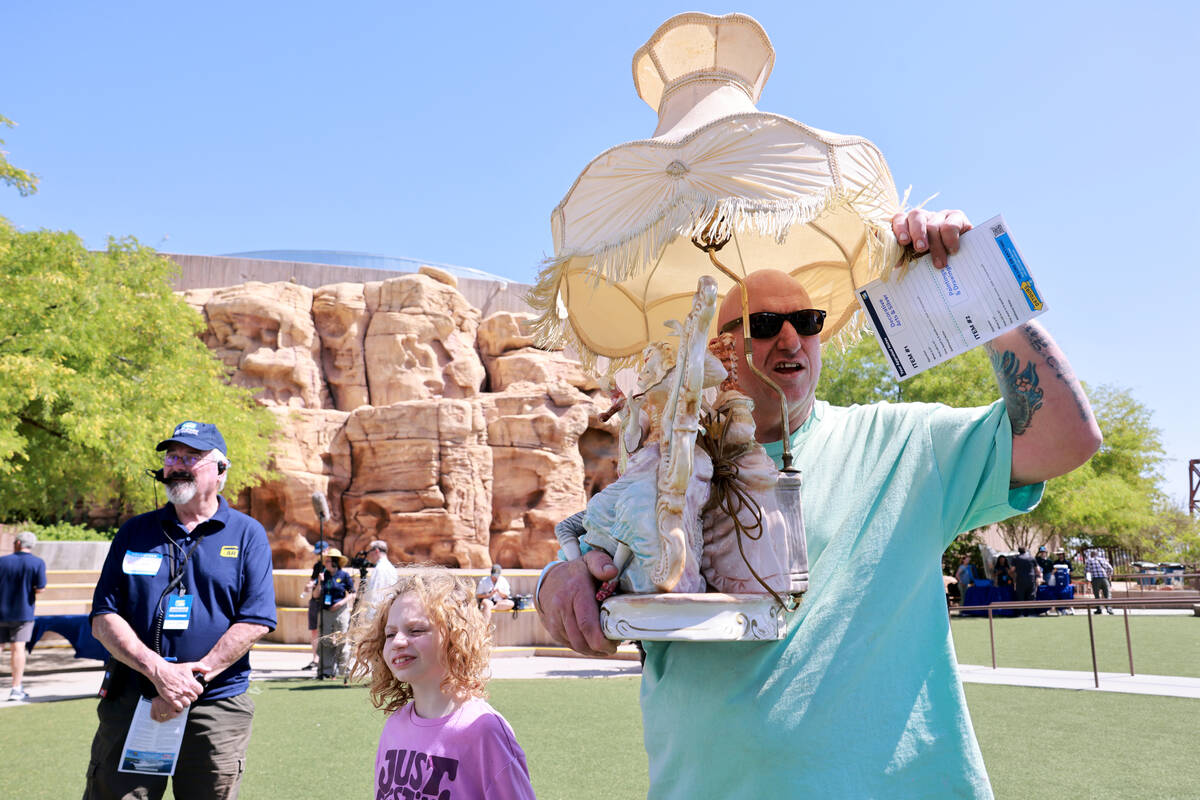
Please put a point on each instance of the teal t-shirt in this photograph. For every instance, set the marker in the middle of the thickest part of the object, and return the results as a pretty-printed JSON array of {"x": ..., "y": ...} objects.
[{"x": 862, "y": 697}]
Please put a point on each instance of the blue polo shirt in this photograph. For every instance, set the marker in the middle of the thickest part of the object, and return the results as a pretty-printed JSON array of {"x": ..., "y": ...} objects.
[
  {"x": 228, "y": 575},
  {"x": 336, "y": 586},
  {"x": 21, "y": 575}
]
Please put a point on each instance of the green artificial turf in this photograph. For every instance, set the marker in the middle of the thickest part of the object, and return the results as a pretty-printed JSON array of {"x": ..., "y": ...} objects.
[
  {"x": 583, "y": 740},
  {"x": 1162, "y": 645},
  {"x": 1063, "y": 745},
  {"x": 582, "y": 737},
  {"x": 574, "y": 732}
]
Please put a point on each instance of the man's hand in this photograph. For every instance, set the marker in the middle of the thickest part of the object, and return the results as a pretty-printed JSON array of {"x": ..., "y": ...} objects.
[
  {"x": 568, "y": 604},
  {"x": 161, "y": 710},
  {"x": 175, "y": 683},
  {"x": 934, "y": 231}
]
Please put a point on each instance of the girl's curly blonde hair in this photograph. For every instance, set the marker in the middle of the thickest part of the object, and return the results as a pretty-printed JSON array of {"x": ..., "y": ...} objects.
[{"x": 450, "y": 604}]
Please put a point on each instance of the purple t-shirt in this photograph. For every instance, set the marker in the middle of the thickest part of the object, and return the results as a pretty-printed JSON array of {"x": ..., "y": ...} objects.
[{"x": 469, "y": 755}]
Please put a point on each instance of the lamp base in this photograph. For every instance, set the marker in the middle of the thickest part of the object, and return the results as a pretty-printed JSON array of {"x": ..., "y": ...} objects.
[{"x": 707, "y": 617}]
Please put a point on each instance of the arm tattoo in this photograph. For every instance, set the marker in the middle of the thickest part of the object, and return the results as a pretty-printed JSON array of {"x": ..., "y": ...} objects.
[
  {"x": 1062, "y": 371},
  {"x": 1019, "y": 387}
]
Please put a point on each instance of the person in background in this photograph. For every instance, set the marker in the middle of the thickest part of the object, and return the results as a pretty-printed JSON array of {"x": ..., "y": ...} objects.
[
  {"x": 314, "y": 602},
  {"x": 494, "y": 593},
  {"x": 1044, "y": 564},
  {"x": 383, "y": 574},
  {"x": 1025, "y": 574},
  {"x": 965, "y": 575},
  {"x": 22, "y": 578},
  {"x": 1002, "y": 571},
  {"x": 1101, "y": 571},
  {"x": 336, "y": 594}
]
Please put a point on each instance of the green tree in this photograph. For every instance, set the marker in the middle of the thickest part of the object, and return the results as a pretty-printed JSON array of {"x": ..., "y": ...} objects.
[
  {"x": 1173, "y": 536},
  {"x": 24, "y": 182},
  {"x": 965, "y": 381},
  {"x": 99, "y": 359},
  {"x": 1111, "y": 501},
  {"x": 856, "y": 374},
  {"x": 860, "y": 374}
]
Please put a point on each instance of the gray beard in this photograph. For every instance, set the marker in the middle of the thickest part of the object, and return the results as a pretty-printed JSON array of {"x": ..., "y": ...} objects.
[{"x": 181, "y": 493}]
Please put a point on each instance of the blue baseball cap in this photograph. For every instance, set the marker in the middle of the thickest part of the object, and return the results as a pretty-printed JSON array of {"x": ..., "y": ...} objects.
[{"x": 200, "y": 435}]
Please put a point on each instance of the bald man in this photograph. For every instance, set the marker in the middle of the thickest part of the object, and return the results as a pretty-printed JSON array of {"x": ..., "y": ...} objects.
[{"x": 861, "y": 697}]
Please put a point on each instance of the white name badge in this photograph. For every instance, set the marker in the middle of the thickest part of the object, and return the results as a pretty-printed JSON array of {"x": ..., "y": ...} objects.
[
  {"x": 179, "y": 612},
  {"x": 141, "y": 563}
]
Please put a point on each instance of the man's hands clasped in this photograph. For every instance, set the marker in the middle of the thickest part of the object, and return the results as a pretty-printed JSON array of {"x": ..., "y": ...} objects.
[{"x": 177, "y": 688}]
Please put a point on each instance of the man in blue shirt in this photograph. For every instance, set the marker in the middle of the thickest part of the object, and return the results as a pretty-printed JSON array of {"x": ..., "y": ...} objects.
[
  {"x": 22, "y": 577},
  {"x": 183, "y": 594},
  {"x": 860, "y": 698}
]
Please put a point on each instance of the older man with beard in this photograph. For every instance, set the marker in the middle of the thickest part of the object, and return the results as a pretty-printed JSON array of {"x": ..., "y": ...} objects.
[{"x": 183, "y": 594}]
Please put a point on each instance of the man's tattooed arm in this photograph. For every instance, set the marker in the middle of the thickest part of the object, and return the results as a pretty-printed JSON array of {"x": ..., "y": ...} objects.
[
  {"x": 1018, "y": 386},
  {"x": 1052, "y": 424}
]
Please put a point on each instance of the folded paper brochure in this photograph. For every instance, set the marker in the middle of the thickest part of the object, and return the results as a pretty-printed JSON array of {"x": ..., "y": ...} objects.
[{"x": 923, "y": 316}]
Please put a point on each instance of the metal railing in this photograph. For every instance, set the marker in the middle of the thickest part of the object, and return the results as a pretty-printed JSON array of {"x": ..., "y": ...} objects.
[
  {"x": 1185, "y": 581},
  {"x": 1123, "y": 604}
]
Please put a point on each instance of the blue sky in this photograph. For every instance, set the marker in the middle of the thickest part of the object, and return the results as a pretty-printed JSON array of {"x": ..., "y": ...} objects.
[{"x": 448, "y": 132}]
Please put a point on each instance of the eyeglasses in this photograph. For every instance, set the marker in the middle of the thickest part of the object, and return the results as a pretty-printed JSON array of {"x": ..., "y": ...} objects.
[
  {"x": 186, "y": 460},
  {"x": 765, "y": 324}
]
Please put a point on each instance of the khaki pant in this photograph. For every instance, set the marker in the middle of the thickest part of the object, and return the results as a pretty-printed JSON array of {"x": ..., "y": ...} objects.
[
  {"x": 333, "y": 648},
  {"x": 211, "y": 760}
]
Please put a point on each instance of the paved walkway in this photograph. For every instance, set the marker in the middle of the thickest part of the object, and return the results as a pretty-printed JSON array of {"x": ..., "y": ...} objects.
[
  {"x": 1168, "y": 685},
  {"x": 52, "y": 673}
]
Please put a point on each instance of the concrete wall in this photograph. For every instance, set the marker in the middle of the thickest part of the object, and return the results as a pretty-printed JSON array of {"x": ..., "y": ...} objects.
[
  {"x": 58, "y": 555},
  {"x": 209, "y": 272},
  {"x": 72, "y": 555},
  {"x": 523, "y": 628}
]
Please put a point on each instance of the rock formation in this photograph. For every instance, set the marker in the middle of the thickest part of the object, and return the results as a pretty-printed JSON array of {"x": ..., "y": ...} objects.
[
  {"x": 452, "y": 438},
  {"x": 341, "y": 315},
  {"x": 265, "y": 333}
]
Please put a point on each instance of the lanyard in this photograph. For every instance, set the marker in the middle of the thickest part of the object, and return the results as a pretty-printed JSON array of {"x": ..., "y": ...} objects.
[{"x": 177, "y": 574}]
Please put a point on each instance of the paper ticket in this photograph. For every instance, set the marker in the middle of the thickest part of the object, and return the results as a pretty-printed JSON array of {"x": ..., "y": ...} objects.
[{"x": 924, "y": 316}]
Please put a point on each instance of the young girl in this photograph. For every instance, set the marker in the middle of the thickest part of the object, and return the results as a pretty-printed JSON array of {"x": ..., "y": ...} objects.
[{"x": 425, "y": 650}]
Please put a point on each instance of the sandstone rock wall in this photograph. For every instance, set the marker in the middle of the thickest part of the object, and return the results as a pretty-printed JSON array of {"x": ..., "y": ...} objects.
[{"x": 451, "y": 438}]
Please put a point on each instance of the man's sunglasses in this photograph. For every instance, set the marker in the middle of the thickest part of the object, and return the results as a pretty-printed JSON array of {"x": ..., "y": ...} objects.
[{"x": 765, "y": 324}]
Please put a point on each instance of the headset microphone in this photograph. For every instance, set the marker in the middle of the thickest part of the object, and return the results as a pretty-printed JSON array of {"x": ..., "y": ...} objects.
[
  {"x": 320, "y": 506},
  {"x": 157, "y": 474}
]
